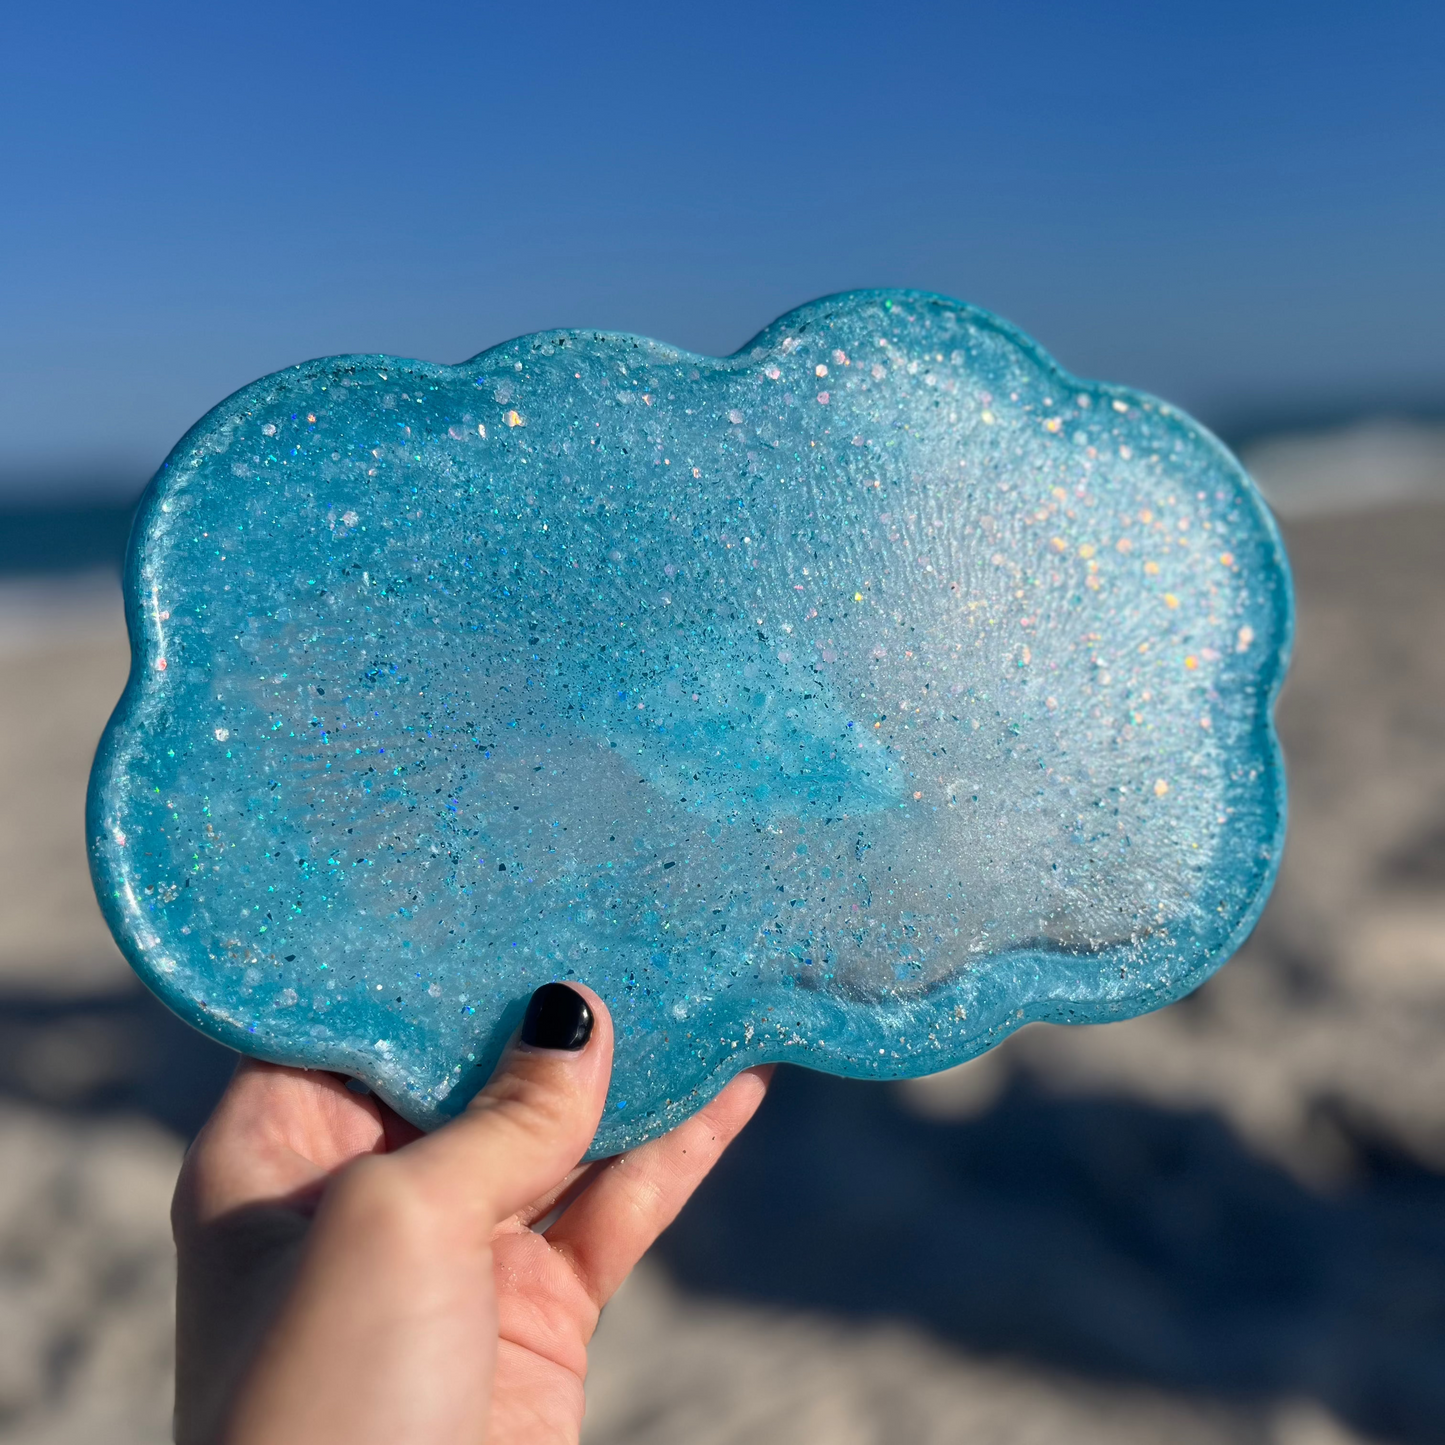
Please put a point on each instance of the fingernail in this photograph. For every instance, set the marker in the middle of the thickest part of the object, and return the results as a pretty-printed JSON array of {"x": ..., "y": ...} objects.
[{"x": 557, "y": 1018}]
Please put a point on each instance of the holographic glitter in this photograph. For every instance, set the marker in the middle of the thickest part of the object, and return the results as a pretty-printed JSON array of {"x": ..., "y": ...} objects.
[{"x": 849, "y": 701}]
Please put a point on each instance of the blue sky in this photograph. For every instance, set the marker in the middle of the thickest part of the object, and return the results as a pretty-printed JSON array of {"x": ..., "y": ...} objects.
[{"x": 1239, "y": 206}]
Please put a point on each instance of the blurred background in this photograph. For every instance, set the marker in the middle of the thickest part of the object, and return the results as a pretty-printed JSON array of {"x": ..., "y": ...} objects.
[{"x": 1221, "y": 1223}]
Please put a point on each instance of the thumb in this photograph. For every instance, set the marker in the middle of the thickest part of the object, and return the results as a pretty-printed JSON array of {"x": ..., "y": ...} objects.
[{"x": 532, "y": 1122}]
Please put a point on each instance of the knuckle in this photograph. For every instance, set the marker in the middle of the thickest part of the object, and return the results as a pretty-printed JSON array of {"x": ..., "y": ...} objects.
[
  {"x": 374, "y": 1197},
  {"x": 536, "y": 1106}
]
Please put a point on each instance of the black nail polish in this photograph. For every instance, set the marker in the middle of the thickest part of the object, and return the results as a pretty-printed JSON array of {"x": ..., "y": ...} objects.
[{"x": 557, "y": 1018}]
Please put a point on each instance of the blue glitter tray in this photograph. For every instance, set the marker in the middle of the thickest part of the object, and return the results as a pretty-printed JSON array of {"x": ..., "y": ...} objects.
[{"x": 849, "y": 701}]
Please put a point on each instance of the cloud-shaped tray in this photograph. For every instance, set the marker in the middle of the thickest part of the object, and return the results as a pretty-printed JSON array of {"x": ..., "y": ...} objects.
[{"x": 848, "y": 701}]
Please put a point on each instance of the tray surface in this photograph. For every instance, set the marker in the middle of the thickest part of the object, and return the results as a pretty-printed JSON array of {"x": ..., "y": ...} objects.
[{"x": 848, "y": 701}]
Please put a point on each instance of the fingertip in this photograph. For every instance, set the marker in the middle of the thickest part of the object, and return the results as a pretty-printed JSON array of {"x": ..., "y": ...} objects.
[
  {"x": 741, "y": 1096},
  {"x": 533, "y": 1119},
  {"x": 750, "y": 1086},
  {"x": 559, "y": 1017},
  {"x": 601, "y": 1016},
  {"x": 564, "y": 1042},
  {"x": 546, "y": 1049}
]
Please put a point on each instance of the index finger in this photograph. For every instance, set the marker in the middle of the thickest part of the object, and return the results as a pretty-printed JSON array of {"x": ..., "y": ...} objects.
[{"x": 612, "y": 1224}]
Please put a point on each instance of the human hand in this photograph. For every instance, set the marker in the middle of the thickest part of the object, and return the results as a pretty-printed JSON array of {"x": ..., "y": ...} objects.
[{"x": 345, "y": 1279}]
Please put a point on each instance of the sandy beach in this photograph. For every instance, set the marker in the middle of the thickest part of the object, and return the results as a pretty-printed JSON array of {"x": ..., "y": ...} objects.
[{"x": 1224, "y": 1222}]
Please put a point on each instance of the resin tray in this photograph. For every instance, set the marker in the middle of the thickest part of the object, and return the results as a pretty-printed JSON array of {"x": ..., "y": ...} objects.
[{"x": 849, "y": 701}]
